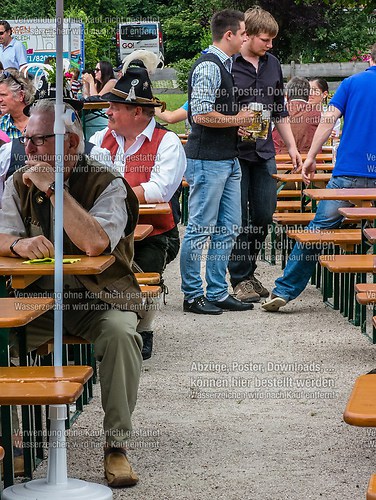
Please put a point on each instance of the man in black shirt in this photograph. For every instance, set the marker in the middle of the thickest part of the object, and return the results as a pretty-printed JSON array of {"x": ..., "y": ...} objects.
[{"x": 258, "y": 79}]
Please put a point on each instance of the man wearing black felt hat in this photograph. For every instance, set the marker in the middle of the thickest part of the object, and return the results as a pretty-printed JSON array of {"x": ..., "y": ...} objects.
[{"x": 152, "y": 160}]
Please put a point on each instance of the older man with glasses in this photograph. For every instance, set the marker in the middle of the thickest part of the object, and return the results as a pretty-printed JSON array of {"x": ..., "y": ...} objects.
[
  {"x": 100, "y": 214},
  {"x": 12, "y": 52}
]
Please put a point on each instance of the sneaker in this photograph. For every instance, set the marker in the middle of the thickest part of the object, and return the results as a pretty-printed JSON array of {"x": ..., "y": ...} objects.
[
  {"x": 274, "y": 304},
  {"x": 117, "y": 469},
  {"x": 259, "y": 287},
  {"x": 245, "y": 292}
]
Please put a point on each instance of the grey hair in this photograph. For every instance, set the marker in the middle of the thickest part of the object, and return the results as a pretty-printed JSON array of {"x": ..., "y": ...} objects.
[
  {"x": 298, "y": 88},
  {"x": 48, "y": 106},
  {"x": 26, "y": 86}
]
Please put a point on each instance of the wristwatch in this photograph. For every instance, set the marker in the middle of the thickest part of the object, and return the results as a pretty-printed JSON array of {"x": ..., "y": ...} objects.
[{"x": 51, "y": 190}]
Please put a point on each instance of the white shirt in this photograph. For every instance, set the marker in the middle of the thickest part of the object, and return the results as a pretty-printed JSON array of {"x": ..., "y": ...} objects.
[
  {"x": 98, "y": 154},
  {"x": 169, "y": 167}
]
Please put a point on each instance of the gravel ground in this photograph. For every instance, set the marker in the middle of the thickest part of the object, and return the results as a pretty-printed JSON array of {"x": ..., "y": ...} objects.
[{"x": 242, "y": 406}]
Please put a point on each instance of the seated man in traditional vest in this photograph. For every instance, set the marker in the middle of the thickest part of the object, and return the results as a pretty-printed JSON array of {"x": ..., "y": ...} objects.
[
  {"x": 152, "y": 160},
  {"x": 100, "y": 214}
]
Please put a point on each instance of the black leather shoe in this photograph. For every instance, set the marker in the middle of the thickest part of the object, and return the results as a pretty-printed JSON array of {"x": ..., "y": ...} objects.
[
  {"x": 232, "y": 304},
  {"x": 147, "y": 348},
  {"x": 201, "y": 305}
]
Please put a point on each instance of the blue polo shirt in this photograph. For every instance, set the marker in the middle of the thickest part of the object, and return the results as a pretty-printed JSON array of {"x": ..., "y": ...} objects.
[
  {"x": 13, "y": 55},
  {"x": 356, "y": 99}
]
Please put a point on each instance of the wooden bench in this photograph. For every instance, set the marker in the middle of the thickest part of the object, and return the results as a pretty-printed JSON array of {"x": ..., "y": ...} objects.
[
  {"x": 371, "y": 491},
  {"x": 285, "y": 157},
  {"x": 366, "y": 287},
  {"x": 345, "y": 238},
  {"x": 148, "y": 278},
  {"x": 290, "y": 193},
  {"x": 290, "y": 205},
  {"x": 349, "y": 263},
  {"x": 361, "y": 407}
]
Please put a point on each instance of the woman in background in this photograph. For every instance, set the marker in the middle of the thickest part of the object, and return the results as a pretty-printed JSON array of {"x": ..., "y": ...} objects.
[
  {"x": 319, "y": 97},
  {"x": 92, "y": 89},
  {"x": 103, "y": 82}
]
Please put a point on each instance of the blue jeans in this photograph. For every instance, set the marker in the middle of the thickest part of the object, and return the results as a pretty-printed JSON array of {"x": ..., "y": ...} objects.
[
  {"x": 259, "y": 200},
  {"x": 302, "y": 260},
  {"x": 214, "y": 215}
]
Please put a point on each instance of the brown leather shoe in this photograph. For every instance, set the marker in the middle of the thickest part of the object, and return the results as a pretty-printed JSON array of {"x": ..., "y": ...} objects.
[{"x": 117, "y": 469}]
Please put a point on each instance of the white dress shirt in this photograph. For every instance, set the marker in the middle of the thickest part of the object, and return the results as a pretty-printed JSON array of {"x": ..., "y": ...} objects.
[{"x": 169, "y": 167}]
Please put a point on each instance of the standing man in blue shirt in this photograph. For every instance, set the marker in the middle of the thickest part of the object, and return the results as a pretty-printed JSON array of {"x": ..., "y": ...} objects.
[
  {"x": 12, "y": 52},
  {"x": 258, "y": 78},
  {"x": 355, "y": 167},
  {"x": 213, "y": 170}
]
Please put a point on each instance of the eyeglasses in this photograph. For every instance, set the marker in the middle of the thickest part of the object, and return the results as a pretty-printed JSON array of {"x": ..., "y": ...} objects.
[
  {"x": 7, "y": 74},
  {"x": 97, "y": 69},
  {"x": 2, "y": 32},
  {"x": 37, "y": 140}
]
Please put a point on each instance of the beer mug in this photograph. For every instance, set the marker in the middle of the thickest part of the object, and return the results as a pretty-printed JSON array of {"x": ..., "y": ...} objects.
[
  {"x": 256, "y": 126},
  {"x": 265, "y": 122}
]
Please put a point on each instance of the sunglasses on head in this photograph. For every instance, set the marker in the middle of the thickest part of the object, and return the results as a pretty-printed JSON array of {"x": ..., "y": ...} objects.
[{"x": 7, "y": 74}]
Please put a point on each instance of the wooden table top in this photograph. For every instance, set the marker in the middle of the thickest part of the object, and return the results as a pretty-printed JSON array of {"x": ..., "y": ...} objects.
[
  {"x": 362, "y": 194},
  {"x": 370, "y": 234},
  {"x": 357, "y": 213},
  {"x": 154, "y": 208},
  {"x": 20, "y": 311},
  {"x": 298, "y": 177},
  {"x": 349, "y": 263},
  {"x": 142, "y": 231},
  {"x": 25, "y": 274},
  {"x": 95, "y": 105}
]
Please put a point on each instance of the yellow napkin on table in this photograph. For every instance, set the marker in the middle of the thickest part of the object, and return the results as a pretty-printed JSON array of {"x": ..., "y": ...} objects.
[{"x": 49, "y": 260}]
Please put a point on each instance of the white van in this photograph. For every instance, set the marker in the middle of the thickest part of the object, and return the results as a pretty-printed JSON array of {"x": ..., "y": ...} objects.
[{"x": 136, "y": 35}]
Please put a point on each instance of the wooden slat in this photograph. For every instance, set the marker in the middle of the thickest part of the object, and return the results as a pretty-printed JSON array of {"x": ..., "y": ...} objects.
[
  {"x": 142, "y": 231},
  {"x": 298, "y": 177},
  {"x": 371, "y": 491},
  {"x": 319, "y": 166},
  {"x": 336, "y": 236},
  {"x": 148, "y": 278},
  {"x": 154, "y": 209},
  {"x": 361, "y": 408},
  {"x": 365, "y": 287},
  {"x": 279, "y": 158},
  {"x": 370, "y": 234},
  {"x": 293, "y": 218},
  {"x": 349, "y": 263},
  {"x": 72, "y": 373},
  {"x": 39, "y": 393},
  {"x": 354, "y": 195},
  {"x": 20, "y": 311},
  {"x": 366, "y": 298},
  {"x": 357, "y": 213}
]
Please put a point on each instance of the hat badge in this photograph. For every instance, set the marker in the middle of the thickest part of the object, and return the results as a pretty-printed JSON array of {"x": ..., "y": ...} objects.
[{"x": 132, "y": 94}]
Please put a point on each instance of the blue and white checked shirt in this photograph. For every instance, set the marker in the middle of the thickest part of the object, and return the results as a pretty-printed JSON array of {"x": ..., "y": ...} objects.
[{"x": 206, "y": 80}]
